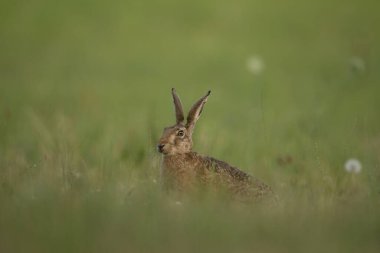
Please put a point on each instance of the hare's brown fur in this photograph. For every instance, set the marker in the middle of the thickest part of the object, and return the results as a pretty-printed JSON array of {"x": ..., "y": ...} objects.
[{"x": 183, "y": 169}]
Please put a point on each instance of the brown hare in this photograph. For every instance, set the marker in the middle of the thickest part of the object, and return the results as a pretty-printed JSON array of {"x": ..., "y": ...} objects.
[{"x": 183, "y": 169}]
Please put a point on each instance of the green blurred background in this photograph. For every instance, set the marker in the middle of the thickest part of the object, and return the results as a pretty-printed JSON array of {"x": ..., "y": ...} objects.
[{"x": 85, "y": 93}]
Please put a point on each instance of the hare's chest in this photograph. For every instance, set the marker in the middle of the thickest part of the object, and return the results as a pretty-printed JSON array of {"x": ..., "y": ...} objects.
[{"x": 179, "y": 173}]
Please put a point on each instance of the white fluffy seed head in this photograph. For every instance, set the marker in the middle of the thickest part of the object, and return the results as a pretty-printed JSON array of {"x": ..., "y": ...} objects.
[{"x": 353, "y": 166}]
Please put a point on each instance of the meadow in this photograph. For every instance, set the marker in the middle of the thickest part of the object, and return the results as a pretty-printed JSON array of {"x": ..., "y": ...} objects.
[{"x": 85, "y": 94}]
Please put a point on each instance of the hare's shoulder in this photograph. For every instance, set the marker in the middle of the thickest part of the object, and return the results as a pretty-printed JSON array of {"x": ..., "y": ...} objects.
[
  {"x": 220, "y": 167},
  {"x": 235, "y": 173}
]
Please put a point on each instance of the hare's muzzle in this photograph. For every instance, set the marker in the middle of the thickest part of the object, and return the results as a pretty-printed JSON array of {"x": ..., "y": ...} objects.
[{"x": 160, "y": 148}]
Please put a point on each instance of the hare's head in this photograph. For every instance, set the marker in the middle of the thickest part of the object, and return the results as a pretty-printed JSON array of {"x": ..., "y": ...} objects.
[{"x": 177, "y": 139}]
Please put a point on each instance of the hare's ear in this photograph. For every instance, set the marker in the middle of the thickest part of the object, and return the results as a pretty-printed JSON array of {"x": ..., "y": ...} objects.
[
  {"x": 178, "y": 108},
  {"x": 195, "y": 112}
]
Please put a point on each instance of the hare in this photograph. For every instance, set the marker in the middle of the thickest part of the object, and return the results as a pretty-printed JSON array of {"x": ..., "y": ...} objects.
[{"x": 184, "y": 169}]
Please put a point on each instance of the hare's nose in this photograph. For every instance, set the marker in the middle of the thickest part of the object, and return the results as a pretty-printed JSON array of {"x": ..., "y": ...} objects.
[{"x": 160, "y": 147}]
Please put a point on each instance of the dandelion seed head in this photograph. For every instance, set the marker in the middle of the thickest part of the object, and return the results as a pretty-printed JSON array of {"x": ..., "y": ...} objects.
[{"x": 353, "y": 166}]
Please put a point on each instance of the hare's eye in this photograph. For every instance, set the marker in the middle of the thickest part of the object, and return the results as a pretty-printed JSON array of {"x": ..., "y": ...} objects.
[{"x": 180, "y": 133}]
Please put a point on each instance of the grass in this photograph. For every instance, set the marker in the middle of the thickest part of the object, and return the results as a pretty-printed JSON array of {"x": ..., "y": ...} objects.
[{"x": 85, "y": 93}]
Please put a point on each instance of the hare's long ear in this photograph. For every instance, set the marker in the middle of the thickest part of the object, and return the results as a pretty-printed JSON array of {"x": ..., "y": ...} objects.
[
  {"x": 180, "y": 118},
  {"x": 195, "y": 112}
]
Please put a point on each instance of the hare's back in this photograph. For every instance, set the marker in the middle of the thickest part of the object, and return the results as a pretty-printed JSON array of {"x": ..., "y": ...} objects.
[
  {"x": 224, "y": 168},
  {"x": 235, "y": 175}
]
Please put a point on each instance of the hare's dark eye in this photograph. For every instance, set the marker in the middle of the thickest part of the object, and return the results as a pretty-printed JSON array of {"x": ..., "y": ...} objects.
[{"x": 180, "y": 133}]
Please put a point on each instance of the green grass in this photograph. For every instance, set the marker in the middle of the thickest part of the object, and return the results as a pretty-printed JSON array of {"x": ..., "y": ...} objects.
[{"x": 85, "y": 93}]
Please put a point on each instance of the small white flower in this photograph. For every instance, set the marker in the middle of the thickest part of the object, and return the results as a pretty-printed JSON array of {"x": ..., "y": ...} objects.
[
  {"x": 353, "y": 166},
  {"x": 255, "y": 65}
]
